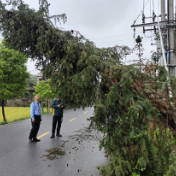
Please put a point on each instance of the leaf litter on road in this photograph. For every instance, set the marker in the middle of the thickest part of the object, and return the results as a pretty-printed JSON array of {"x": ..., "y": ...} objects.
[
  {"x": 74, "y": 145},
  {"x": 53, "y": 153}
]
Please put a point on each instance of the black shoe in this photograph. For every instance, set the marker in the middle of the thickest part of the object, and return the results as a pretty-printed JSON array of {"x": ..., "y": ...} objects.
[
  {"x": 58, "y": 135},
  {"x": 30, "y": 140},
  {"x": 52, "y": 136},
  {"x": 36, "y": 140}
]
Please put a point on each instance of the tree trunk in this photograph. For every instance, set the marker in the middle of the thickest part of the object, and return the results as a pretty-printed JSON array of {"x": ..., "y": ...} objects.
[
  {"x": 48, "y": 109},
  {"x": 3, "y": 111},
  {"x": 42, "y": 108}
]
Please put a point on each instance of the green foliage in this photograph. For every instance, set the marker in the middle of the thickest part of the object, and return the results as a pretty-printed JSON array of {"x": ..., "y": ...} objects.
[
  {"x": 43, "y": 89},
  {"x": 13, "y": 73},
  {"x": 27, "y": 94},
  {"x": 98, "y": 167},
  {"x": 134, "y": 174},
  {"x": 155, "y": 57},
  {"x": 32, "y": 81},
  {"x": 3, "y": 123}
]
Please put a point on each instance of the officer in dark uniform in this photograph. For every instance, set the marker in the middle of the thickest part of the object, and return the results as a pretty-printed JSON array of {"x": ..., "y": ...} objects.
[
  {"x": 58, "y": 105},
  {"x": 36, "y": 118}
]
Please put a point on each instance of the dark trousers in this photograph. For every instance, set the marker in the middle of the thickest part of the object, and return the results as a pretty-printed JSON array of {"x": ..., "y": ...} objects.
[
  {"x": 35, "y": 127},
  {"x": 57, "y": 120}
]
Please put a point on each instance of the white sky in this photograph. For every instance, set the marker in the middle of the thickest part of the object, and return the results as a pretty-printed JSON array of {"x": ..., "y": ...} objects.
[{"x": 105, "y": 22}]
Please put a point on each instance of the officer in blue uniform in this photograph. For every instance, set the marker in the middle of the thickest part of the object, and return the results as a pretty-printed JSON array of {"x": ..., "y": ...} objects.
[
  {"x": 58, "y": 106},
  {"x": 36, "y": 118}
]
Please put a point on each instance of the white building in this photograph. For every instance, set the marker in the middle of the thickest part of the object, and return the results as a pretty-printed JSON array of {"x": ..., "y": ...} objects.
[{"x": 39, "y": 77}]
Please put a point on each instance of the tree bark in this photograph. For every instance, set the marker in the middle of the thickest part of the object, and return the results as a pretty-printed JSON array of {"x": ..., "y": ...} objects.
[
  {"x": 48, "y": 106},
  {"x": 3, "y": 111},
  {"x": 42, "y": 108}
]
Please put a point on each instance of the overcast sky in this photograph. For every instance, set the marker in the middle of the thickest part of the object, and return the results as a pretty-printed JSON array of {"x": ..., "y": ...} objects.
[{"x": 105, "y": 22}]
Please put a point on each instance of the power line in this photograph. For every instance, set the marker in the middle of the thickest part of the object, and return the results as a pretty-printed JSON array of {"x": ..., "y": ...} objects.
[
  {"x": 116, "y": 41},
  {"x": 143, "y": 6},
  {"x": 140, "y": 13},
  {"x": 113, "y": 36},
  {"x": 114, "y": 44},
  {"x": 145, "y": 39}
]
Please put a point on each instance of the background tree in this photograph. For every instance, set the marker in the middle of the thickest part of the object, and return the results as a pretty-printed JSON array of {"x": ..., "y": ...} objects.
[
  {"x": 43, "y": 89},
  {"x": 155, "y": 57},
  {"x": 13, "y": 74},
  {"x": 32, "y": 80}
]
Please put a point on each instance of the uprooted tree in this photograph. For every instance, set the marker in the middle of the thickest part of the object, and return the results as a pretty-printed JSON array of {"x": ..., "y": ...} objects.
[{"x": 135, "y": 108}]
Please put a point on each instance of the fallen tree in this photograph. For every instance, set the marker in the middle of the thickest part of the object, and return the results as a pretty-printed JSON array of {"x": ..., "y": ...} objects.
[{"x": 134, "y": 107}]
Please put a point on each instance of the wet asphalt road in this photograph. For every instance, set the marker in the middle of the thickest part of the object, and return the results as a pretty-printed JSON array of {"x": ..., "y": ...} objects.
[{"x": 20, "y": 158}]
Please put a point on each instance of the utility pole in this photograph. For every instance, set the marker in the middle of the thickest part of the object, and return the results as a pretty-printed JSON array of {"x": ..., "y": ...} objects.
[
  {"x": 163, "y": 10},
  {"x": 163, "y": 18},
  {"x": 172, "y": 58}
]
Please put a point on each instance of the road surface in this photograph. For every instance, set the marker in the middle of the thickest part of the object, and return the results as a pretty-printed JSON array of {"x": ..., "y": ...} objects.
[{"x": 20, "y": 158}]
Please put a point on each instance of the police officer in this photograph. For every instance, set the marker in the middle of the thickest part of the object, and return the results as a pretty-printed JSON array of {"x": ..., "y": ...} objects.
[
  {"x": 58, "y": 105},
  {"x": 36, "y": 118}
]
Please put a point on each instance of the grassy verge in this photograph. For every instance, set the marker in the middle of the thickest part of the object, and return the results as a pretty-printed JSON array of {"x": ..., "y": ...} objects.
[{"x": 14, "y": 114}]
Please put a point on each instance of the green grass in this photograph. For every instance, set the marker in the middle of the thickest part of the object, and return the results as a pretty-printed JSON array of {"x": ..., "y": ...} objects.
[
  {"x": 14, "y": 114},
  {"x": 3, "y": 123}
]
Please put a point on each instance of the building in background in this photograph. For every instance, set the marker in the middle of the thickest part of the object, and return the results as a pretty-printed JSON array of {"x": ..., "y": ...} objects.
[{"x": 39, "y": 77}]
